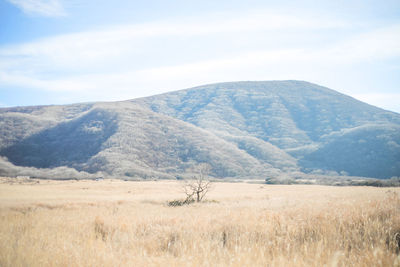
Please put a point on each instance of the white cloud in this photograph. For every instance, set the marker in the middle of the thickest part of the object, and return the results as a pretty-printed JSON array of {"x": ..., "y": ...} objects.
[
  {"x": 129, "y": 48},
  {"x": 48, "y": 8},
  {"x": 137, "y": 60},
  {"x": 69, "y": 84},
  {"x": 86, "y": 47},
  {"x": 376, "y": 44}
]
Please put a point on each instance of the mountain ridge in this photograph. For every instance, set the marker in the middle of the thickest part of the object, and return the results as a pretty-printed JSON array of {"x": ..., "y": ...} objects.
[{"x": 242, "y": 129}]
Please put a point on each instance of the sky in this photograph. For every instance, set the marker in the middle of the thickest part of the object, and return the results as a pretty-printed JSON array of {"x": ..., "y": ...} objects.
[{"x": 69, "y": 51}]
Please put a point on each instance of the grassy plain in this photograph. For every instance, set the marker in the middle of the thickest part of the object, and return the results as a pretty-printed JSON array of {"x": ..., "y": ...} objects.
[{"x": 119, "y": 223}]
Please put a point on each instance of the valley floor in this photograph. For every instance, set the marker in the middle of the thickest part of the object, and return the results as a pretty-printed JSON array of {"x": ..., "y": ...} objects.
[{"x": 120, "y": 223}]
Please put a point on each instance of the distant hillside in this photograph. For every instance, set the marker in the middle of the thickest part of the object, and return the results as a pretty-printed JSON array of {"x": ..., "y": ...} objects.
[
  {"x": 242, "y": 129},
  {"x": 296, "y": 117}
]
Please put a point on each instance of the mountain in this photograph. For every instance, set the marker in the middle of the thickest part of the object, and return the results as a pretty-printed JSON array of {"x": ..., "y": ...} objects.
[
  {"x": 242, "y": 129},
  {"x": 319, "y": 127}
]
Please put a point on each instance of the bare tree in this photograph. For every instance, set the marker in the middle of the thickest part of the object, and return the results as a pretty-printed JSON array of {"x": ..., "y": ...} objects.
[{"x": 199, "y": 186}]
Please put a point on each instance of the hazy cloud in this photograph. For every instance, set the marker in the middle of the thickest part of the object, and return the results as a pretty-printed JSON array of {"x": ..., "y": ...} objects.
[
  {"x": 48, "y": 8},
  {"x": 139, "y": 60}
]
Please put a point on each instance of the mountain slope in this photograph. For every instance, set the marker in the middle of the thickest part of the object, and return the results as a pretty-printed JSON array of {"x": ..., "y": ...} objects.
[
  {"x": 68, "y": 143},
  {"x": 294, "y": 116},
  {"x": 368, "y": 150},
  {"x": 125, "y": 140},
  {"x": 242, "y": 129}
]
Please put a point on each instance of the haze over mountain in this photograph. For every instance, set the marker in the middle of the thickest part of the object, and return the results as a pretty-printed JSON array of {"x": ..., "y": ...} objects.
[{"x": 242, "y": 129}]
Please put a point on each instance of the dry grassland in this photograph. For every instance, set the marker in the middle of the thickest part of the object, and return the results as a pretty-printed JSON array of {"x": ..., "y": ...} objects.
[{"x": 117, "y": 223}]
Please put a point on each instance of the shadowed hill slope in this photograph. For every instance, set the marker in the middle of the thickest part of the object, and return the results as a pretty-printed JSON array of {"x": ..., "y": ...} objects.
[
  {"x": 368, "y": 150},
  {"x": 125, "y": 140},
  {"x": 68, "y": 143}
]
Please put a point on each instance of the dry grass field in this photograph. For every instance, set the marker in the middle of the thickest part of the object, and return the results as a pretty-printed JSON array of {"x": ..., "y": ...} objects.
[{"x": 118, "y": 223}]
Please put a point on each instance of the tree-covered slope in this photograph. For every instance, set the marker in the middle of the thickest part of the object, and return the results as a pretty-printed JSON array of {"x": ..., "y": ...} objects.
[
  {"x": 294, "y": 116},
  {"x": 368, "y": 150},
  {"x": 123, "y": 139},
  {"x": 242, "y": 129}
]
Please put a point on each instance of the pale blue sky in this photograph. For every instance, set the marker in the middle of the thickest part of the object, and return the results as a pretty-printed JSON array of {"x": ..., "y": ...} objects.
[{"x": 68, "y": 51}]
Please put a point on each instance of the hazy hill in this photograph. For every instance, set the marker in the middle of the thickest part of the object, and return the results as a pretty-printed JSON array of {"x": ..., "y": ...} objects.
[
  {"x": 119, "y": 139},
  {"x": 297, "y": 117},
  {"x": 242, "y": 129}
]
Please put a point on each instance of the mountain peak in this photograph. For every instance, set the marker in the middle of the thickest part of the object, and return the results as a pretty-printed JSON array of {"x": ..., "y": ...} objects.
[{"x": 246, "y": 129}]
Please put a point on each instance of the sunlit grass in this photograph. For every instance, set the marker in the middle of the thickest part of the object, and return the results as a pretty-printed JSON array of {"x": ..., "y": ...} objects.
[{"x": 116, "y": 223}]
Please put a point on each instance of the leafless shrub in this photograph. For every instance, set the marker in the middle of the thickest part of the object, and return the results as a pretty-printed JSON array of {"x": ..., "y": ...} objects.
[{"x": 199, "y": 186}]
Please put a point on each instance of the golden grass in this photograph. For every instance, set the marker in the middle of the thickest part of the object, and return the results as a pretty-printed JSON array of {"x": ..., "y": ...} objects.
[{"x": 117, "y": 223}]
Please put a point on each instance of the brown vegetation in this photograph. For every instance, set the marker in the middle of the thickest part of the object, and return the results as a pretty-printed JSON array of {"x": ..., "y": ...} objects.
[{"x": 117, "y": 223}]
